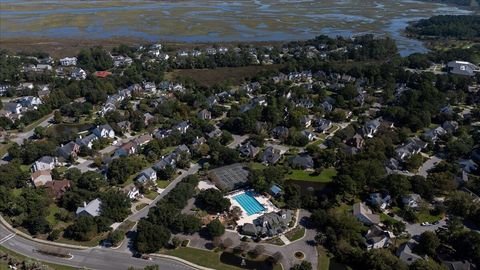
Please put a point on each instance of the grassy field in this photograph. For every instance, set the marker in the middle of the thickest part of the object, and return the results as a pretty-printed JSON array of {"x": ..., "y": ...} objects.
[
  {"x": 163, "y": 183},
  {"x": 19, "y": 257},
  {"x": 201, "y": 257},
  {"x": 295, "y": 234},
  {"x": 209, "y": 77},
  {"x": 325, "y": 176},
  {"x": 323, "y": 259}
]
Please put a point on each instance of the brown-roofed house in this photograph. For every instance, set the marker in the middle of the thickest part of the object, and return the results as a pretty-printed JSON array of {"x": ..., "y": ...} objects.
[
  {"x": 57, "y": 188},
  {"x": 40, "y": 178}
]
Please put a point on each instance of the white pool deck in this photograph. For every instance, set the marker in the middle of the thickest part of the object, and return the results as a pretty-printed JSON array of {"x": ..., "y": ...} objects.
[{"x": 263, "y": 200}]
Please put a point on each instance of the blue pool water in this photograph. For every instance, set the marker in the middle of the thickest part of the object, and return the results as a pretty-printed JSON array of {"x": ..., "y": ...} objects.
[{"x": 249, "y": 203}]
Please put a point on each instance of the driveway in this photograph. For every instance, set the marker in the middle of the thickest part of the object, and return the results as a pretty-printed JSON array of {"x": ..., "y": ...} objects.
[
  {"x": 237, "y": 140},
  {"x": 428, "y": 165}
]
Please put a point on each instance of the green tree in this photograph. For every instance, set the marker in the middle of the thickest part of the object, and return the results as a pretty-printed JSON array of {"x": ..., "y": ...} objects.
[
  {"x": 212, "y": 201},
  {"x": 428, "y": 244},
  {"x": 215, "y": 228},
  {"x": 150, "y": 237}
]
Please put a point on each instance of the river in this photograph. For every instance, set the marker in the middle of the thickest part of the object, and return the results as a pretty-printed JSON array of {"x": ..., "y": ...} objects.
[{"x": 215, "y": 20}]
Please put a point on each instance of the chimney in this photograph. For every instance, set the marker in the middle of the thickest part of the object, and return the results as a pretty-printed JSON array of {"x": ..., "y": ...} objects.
[{"x": 84, "y": 204}]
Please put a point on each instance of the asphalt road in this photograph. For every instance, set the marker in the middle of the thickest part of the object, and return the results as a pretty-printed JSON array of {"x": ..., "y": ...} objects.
[
  {"x": 20, "y": 137},
  {"x": 93, "y": 258}
]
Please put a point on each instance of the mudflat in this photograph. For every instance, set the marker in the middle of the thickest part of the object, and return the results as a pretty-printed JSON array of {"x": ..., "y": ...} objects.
[{"x": 211, "y": 20}]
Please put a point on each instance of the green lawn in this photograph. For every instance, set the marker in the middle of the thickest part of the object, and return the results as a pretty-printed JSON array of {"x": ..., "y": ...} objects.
[
  {"x": 19, "y": 257},
  {"x": 323, "y": 259},
  {"x": 4, "y": 148},
  {"x": 425, "y": 216},
  {"x": 53, "y": 208},
  {"x": 295, "y": 234},
  {"x": 325, "y": 176},
  {"x": 163, "y": 183},
  {"x": 201, "y": 257},
  {"x": 17, "y": 192},
  {"x": 257, "y": 166}
]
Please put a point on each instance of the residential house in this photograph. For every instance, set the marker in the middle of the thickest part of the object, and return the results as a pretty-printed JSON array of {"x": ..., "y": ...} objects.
[
  {"x": 215, "y": 133},
  {"x": 412, "y": 200},
  {"x": 322, "y": 125},
  {"x": 164, "y": 162},
  {"x": 412, "y": 147},
  {"x": 356, "y": 141},
  {"x": 377, "y": 238},
  {"x": 104, "y": 131},
  {"x": 148, "y": 118},
  {"x": 131, "y": 191},
  {"x": 68, "y": 150},
  {"x": 458, "y": 265},
  {"x": 326, "y": 106},
  {"x": 150, "y": 87},
  {"x": 204, "y": 115},
  {"x": 462, "y": 68},
  {"x": 379, "y": 200},
  {"x": 56, "y": 188},
  {"x": 142, "y": 140},
  {"x": 249, "y": 150},
  {"x": 306, "y": 121},
  {"x": 44, "y": 163},
  {"x": 269, "y": 224},
  {"x": 13, "y": 108},
  {"x": 280, "y": 132},
  {"x": 78, "y": 74},
  {"x": 271, "y": 155},
  {"x": 40, "y": 178},
  {"x": 147, "y": 175},
  {"x": 30, "y": 101},
  {"x": 364, "y": 214},
  {"x": 371, "y": 127},
  {"x": 450, "y": 126},
  {"x": 308, "y": 134},
  {"x": 125, "y": 126},
  {"x": 433, "y": 135},
  {"x": 405, "y": 252},
  {"x": 86, "y": 141},
  {"x": 68, "y": 61},
  {"x": 163, "y": 133},
  {"x": 91, "y": 209},
  {"x": 128, "y": 148},
  {"x": 182, "y": 127},
  {"x": 303, "y": 161}
]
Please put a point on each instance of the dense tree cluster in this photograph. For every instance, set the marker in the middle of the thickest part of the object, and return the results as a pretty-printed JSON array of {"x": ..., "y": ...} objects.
[{"x": 465, "y": 27}]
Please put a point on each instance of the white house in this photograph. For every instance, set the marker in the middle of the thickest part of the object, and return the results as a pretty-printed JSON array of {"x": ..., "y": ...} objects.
[
  {"x": 44, "y": 163},
  {"x": 78, "y": 74},
  {"x": 104, "y": 131},
  {"x": 68, "y": 61}
]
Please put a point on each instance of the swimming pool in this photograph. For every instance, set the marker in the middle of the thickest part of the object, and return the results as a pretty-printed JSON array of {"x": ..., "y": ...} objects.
[{"x": 248, "y": 202}]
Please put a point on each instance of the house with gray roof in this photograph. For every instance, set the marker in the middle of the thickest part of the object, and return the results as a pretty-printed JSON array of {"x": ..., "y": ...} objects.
[
  {"x": 269, "y": 224},
  {"x": 104, "y": 131},
  {"x": 44, "y": 163},
  {"x": 271, "y": 155},
  {"x": 462, "y": 68},
  {"x": 303, "y": 161},
  {"x": 364, "y": 214},
  {"x": 371, "y": 127},
  {"x": 405, "y": 252},
  {"x": 87, "y": 140},
  {"x": 249, "y": 150},
  {"x": 91, "y": 209},
  {"x": 68, "y": 150}
]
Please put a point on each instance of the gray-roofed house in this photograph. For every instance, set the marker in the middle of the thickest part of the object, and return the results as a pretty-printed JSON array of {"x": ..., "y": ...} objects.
[
  {"x": 13, "y": 107},
  {"x": 147, "y": 175},
  {"x": 462, "y": 68},
  {"x": 249, "y": 150},
  {"x": 91, "y": 209},
  {"x": 204, "y": 115},
  {"x": 371, "y": 127},
  {"x": 44, "y": 163},
  {"x": 322, "y": 125},
  {"x": 182, "y": 127},
  {"x": 280, "y": 132},
  {"x": 377, "y": 238},
  {"x": 302, "y": 160},
  {"x": 104, "y": 131},
  {"x": 412, "y": 200},
  {"x": 87, "y": 140},
  {"x": 308, "y": 134},
  {"x": 269, "y": 224},
  {"x": 271, "y": 155},
  {"x": 405, "y": 252},
  {"x": 434, "y": 134},
  {"x": 450, "y": 126},
  {"x": 68, "y": 150},
  {"x": 379, "y": 200},
  {"x": 364, "y": 214}
]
